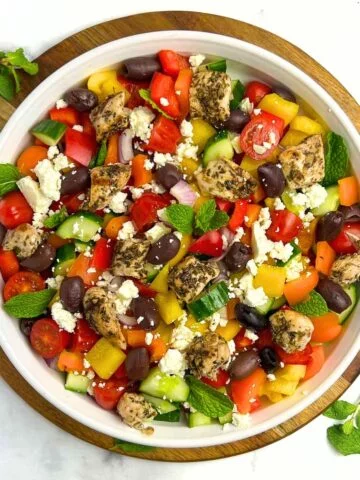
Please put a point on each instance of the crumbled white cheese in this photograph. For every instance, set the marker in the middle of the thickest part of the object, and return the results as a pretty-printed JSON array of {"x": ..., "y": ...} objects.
[
  {"x": 124, "y": 295},
  {"x": 186, "y": 150},
  {"x": 306, "y": 218},
  {"x": 217, "y": 320},
  {"x": 33, "y": 195},
  {"x": 246, "y": 106},
  {"x": 49, "y": 179},
  {"x": 239, "y": 233},
  {"x": 255, "y": 297},
  {"x": 265, "y": 218},
  {"x": 38, "y": 220},
  {"x": 78, "y": 128},
  {"x": 261, "y": 245},
  {"x": 250, "y": 335},
  {"x": 65, "y": 319},
  {"x": 281, "y": 251},
  {"x": 240, "y": 420},
  {"x": 196, "y": 60},
  {"x": 52, "y": 152},
  {"x": 148, "y": 338},
  {"x": 294, "y": 269},
  {"x": 54, "y": 282},
  {"x": 157, "y": 231},
  {"x": 118, "y": 202},
  {"x": 181, "y": 337},
  {"x": 148, "y": 164},
  {"x": 251, "y": 267},
  {"x": 161, "y": 159},
  {"x": 299, "y": 199},
  {"x": 86, "y": 363},
  {"x": 235, "y": 142},
  {"x": 186, "y": 129},
  {"x": 140, "y": 122},
  {"x": 154, "y": 187},
  {"x": 257, "y": 111},
  {"x": 164, "y": 102},
  {"x": 136, "y": 192},
  {"x": 232, "y": 347},
  {"x": 173, "y": 363},
  {"x": 243, "y": 288},
  {"x": 278, "y": 204},
  {"x": 127, "y": 231},
  {"x": 61, "y": 104},
  {"x": 316, "y": 195},
  {"x": 161, "y": 213},
  {"x": 61, "y": 162},
  {"x": 271, "y": 377}
]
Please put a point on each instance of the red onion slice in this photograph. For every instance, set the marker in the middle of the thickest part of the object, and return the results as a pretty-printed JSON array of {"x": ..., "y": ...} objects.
[
  {"x": 183, "y": 193},
  {"x": 127, "y": 320},
  {"x": 126, "y": 152},
  {"x": 52, "y": 363}
]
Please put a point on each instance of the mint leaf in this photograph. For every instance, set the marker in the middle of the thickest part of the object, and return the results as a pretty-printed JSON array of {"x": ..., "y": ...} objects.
[
  {"x": 357, "y": 419},
  {"x": 208, "y": 400},
  {"x": 344, "y": 444},
  {"x": 145, "y": 95},
  {"x": 9, "y": 175},
  {"x": 348, "y": 426},
  {"x": 181, "y": 217},
  {"x": 220, "y": 219},
  {"x": 7, "y": 88},
  {"x": 56, "y": 219},
  {"x": 315, "y": 305},
  {"x": 336, "y": 159},
  {"x": 131, "y": 447},
  {"x": 205, "y": 214},
  {"x": 16, "y": 79},
  {"x": 340, "y": 410},
  {"x": 29, "y": 305},
  {"x": 18, "y": 59}
]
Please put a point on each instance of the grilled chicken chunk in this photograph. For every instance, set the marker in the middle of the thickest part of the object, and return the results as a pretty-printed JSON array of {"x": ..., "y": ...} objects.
[
  {"x": 100, "y": 312},
  {"x": 206, "y": 354},
  {"x": 23, "y": 240},
  {"x": 291, "y": 330},
  {"x": 110, "y": 116},
  {"x": 189, "y": 278},
  {"x": 346, "y": 269},
  {"x": 304, "y": 164},
  {"x": 129, "y": 258},
  {"x": 106, "y": 181},
  {"x": 135, "y": 410},
  {"x": 210, "y": 94},
  {"x": 225, "y": 179}
]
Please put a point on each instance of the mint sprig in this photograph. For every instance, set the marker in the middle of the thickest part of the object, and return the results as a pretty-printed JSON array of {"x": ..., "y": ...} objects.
[
  {"x": 208, "y": 400},
  {"x": 208, "y": 218},
  {"x": 10, "y": 63},
  {"x": 129, "y": 447},
  {"x": 340, "y": 410},
  {"x": 336, "y": 159},
  {"x": 145, "y": 95},
  {"x": 314, "y": 306},
  {"x": 29, "y": 305},
  {"x": 344, "y": 437},
  {"x": 181, "y": 217},
  {"x": 56, "y": 219},
  {"x": 9, "y": 175}
]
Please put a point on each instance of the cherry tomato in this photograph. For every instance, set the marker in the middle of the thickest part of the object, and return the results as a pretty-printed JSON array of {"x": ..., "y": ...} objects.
[
  {"x": 347, "y": 239},
  {"x": 243, "y": 391},
  {"x": 221, "y": 380},
  {"x": 211, "y": 244},
  {"x": 284, "y": 226},
  {"x": 261, "y": 135},
  {"x": 223, "y": 205},
  {"x": 255, "y": 91},
  {"x": 296, "y": 358},
  {"x": 107, "y": 393},
  {"x": 84, "y": 337},
  {"x": 14, "y": 210},
  {"x": 144, "y": 210},
  {"x": 47, "y": 339},
  {"x": 23, "y": 282}
]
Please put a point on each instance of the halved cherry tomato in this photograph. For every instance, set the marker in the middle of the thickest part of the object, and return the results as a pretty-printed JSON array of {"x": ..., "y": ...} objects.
[
  {"x": 296, "y": 358},
  {"x": 347, "y": 239},
  {"x": 14, "y": 210},
  {"x": 261, "y": 135},
  {"x": 221, "y": 380},
  {"x": 284, "y": 227},
  {"x": 133, "y": 87},
  {"x": 172, "y": 62},
  {"x": 211, "y": 244},
  {"x": 107, "y": 393},
  {"x": 144, "y": 210},
  {"x": 316, "y": 361},
  {"x": 67, "y": 115},
  {"x": 162, "y": 92},
  {"x": 255, "y": 91},
  {"x": 242, "y": 391},
  {"x": 84, "y": 337},
  {"x": 47, "y": 339},
  {"x": 23, "y": 282},
  {"x": 164, "y": 136},
  {"x": 102, "y": 254},
  {"x": 145, "y": 290},
  {"x": 9, "y": 263},
  {"x": 326, "y": 327}
]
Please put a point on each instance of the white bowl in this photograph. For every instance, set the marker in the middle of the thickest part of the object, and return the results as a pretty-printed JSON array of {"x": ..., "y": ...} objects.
[{"x": 249, "y": 62}]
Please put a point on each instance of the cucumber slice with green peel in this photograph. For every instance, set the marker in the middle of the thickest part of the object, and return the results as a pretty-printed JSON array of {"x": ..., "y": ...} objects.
[
  {"x": 331, "y": 203},
  {"x": 161, "y": 405},
  {"x": 173, "y": 416},
  {"x": 210, "y": 302},
  {"x": 353, "y": 292},
  {"x": 289, "y": 204},
  {"x": 81, "y": 226},
  {"x": 295, "y": 255},
  {"x": 237, "y": 90},
  {"x": 63, "y": 267},
  {"x": 263, "y": 309},
  {"x": 198, "y": 419},
  {"x": 82, "y": 246},
  {"x": 218, "y": 146},
  {"x": 77, "y": 383},
  {"x": 151, "y": 272},
  {"x": 49, "y": 132},
  {"x": 225, "y": 418},
  {"x": 278, "y": 302},
  {"x": 65, "y": 257},
  {"x": 158, "y": 384},
  {"x": 216, "y": 66}
]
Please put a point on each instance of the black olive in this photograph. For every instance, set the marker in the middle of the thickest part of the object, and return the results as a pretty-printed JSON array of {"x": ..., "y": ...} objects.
[
  {"x": 237, "y": 257},
  {"x": 237, "y": 121},
  {"x": 250, "y": 318},
  {"x": 137, "y": 363},
  {"x": 285, "y": 93},
  {"x": 163, "y": 249},
  {"x": 334, "y": 295},
  {"x": 351, "y": 214},
  {"x": 81, "y": 99},
  {"x": 146, "y": 312},
  {"x": 41, "y": 259},
  {"x": 244, "y": 364},
  {"x": 168, "y": 176},
  {"x": 72, "y": 291},
  {"x": 75, "y": 181},
  {"x": 26, "y": 325},
  {"x": 141, "y": 68},
  {"x": 272, "y": 179},
  {"x": 269, "y": 359},
  {"x": 329, "y": 226}
]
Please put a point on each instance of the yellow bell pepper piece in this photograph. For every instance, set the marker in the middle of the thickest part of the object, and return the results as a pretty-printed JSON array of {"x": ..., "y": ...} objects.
[
  {"x": 202, "y": 131},
  {"x": 230, "y": 331},
  {"x": 160, "y": 282},
  {"x": 105, "y": 358},
  {"x": 251, "y": 165},
  {"x": 188, "y": 166},
  {"x": 164, "y": 331},
  {"x": 273, "y": 396},
  {"x": 271, "y": 279},
  {"x": 307, "y": 125},
  {"x": 292, "y": 138},
  {"x": 285, "y": 387},
  {"x": 200, "y": 327},
  {"x": 105, "y": 84},
  {"x": 292, "y": 373},
  {"x": 309, "y": 111},
  {"x": 184, "y": 247},
  {"x": 280, "y": 107},
  {"x": 169, "y": 307}
]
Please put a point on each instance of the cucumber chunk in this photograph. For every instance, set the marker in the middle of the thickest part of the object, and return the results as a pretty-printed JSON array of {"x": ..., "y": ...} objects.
[
  {"x": 82, "y": 246},
  {"x": 49, "y": 132},
  {"x": 263, "y": 309},
  {"x": 161, "y": 405},
  {"x": 352, "y": 291},
  {"x": 237, "y": 89},
  {"x": 210, "y": 302},
  {"x": 330, "y": 203},
  {"x": 278, "y": 302},
  {"x": 81, "y": 226},
  {"x": 198, "y": 419},
  {"x": 65, "y": 257},
  {"x": 77, "y": 383},
  {"x": 296, "y": 253},
  {"x": 218, "y": 146},
  {"x": 225, "y": 418},
  {"x": 173, "y": 416},
  {"x": 158, "y": 384}
]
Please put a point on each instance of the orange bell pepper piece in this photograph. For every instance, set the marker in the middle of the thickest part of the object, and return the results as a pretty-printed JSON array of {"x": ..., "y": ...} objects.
[
  {"x": 348, "y": 191},
  {"x": 325, "y": 256},
  {"x": 140, "y": 175},
  {"x": 298, "y": 290}
]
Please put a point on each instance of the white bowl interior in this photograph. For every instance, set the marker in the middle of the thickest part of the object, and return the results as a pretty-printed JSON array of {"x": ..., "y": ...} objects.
[{"x": 246, "y": 61}]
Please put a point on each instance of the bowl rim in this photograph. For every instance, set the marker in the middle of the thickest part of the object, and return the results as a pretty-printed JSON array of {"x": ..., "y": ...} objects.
[{"x": 229, "y": 436}]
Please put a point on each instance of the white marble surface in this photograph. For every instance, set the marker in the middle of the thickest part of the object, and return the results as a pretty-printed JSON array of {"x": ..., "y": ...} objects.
[{"x": 30, "y": 446}]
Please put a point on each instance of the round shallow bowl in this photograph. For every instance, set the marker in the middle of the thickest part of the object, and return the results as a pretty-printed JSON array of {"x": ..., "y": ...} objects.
[{"x": 246, "y": 62}]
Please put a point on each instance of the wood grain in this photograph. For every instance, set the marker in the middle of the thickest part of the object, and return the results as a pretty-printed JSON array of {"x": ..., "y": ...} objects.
[{"x": 87, "y": 39}]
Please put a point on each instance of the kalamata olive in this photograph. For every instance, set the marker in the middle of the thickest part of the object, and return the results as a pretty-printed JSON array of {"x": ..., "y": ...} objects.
[
  {"x": 26, "y": 325},
  {"x": 137, "y": 363},
  {"x": 81, "y": 99},
  {"x": 163, "y": 249},
  {"x": 237, "y": 121},
  {"x": 75, "y": 181},
  {"x": 146, "y": 312},
  {"x": 237, "y": 257},
  {"x": 334, "y": 295},
  {"x": 141, "y": 68},
  {"x": 244, "y": 364},
  {"x": 351, "y": 214},
  {"x": 269, "y": 359},
  {"x": 285, "y": 93},
  {"x": 272, "y": 179},
  {"x": 72, "y": 291},
  {"x": 223, "y": 272},
  {"x": 168, "y": 176},
  {"x": 2, "y": 233},
  {"x": 41, "y": 259},
  {"x": 329, "y": 226},
  {"x": 250, "y": 318}
]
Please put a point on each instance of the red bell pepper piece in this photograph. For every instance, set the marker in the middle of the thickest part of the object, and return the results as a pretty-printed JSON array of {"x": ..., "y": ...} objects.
[
  {"x": 223, "y": 205},
  {"x": 8, "y": 263},
  {"x": 243, "y": 391},
  {"x": 67, "y": 115},
  {"x": 241, "y": 341},
  {"x": 162, "y": 92},
  {"x": 182, "y": 90},
  {"x": 211, "y": 244},
  {"x": 71, "y": 201},
  {"x": 284, "y": 227},
  {"x": 84, "y": 337},
  {"x": 79, "y": 146},
  {"x": 120, "y": 372},
  {"x": 133, "y": 87},
  {"x": 296, "y": 358},
  {"x": 145, "y": 290},
  {"x": 237, "y": 218},
  {"x": 144, "y": 210},
  {"x": 107, "y": 393},
  {"x": 164, "y": 136},
  {"x": 222, "y": 379},
  {"x": 102, "y": 255},
  {"x": 87, "y": 124},
  {"x": 172, "y": 62},
  {"x": 265, "y": 339}
]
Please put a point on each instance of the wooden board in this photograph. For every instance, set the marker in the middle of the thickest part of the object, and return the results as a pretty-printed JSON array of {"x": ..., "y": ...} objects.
[{"x": 92, "y": 37}]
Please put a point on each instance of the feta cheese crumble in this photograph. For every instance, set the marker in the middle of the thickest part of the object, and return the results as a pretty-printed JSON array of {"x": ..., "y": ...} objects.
[
  {"x": 196, "y": 60},
  {"x": 60, "y": 104},
  {"x": 164, "y": 102},
  {"x": 124, "y": 295},
  {"x": 181, "y": 337},
  {"x": 161, "y": 159},
  {"x": 173, "y": 363},
  {"x": 49, "y": 179},
  {"x": 61, "y": 161},
  {"x": 278, "y": 204},
  {"x": 127, "y": 231},
  {"x": 148, "y": 338},
  {"x": 33, "y": 195},
  {"x": 250, "y": 335},
  {"x": 118, "y": 202},
  {"x": 136, "y": 192},
  {"x": 240, "y": 420},
  {"x": 157, "y": 231},
  {"x": 140, "y": 122},
  {"x": 65, "y": 319},
  {"x": 186, "y": 129},
  {"x": 78, "y": 128},
  {"x": 246, "y": 106},
  {"x": 251, "y": 267}
]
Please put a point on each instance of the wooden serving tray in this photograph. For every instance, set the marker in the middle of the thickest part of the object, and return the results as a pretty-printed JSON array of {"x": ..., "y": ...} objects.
[{"x": 92, "y": 37}]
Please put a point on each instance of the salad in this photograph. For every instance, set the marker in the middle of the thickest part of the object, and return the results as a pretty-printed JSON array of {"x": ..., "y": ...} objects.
[{"x": 179, "y": 244}]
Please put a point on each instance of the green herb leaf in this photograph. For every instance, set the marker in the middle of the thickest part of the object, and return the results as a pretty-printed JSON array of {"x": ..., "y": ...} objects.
[
  {"x": 205, "y": 214},
  {"x": 56, "y": 219},
  {"x": 340, "y": 410},
  {"x": 220, "y": 219},
  {"x": 181, "y": 217},
  {"x": 208, "y": 400},
  {"x": 336, "y": 159},
  {"x": 344, "y": 444},
  {"x": 101, "y": 155},
  {"x": 29, "y": 305},
  {"x": 9, "y": 175},
  {"x": 314, "y": 306},
  {"x": 16, "y": 79},
  {"x": 173, "y": 416},
  {"x": 131, "y": 447},
  {"x": 348, "y": 426},
  {"x": 7, "y": 88},
  {"x": 18, "y": 59},
  {"x": 145, "y": 95}
]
